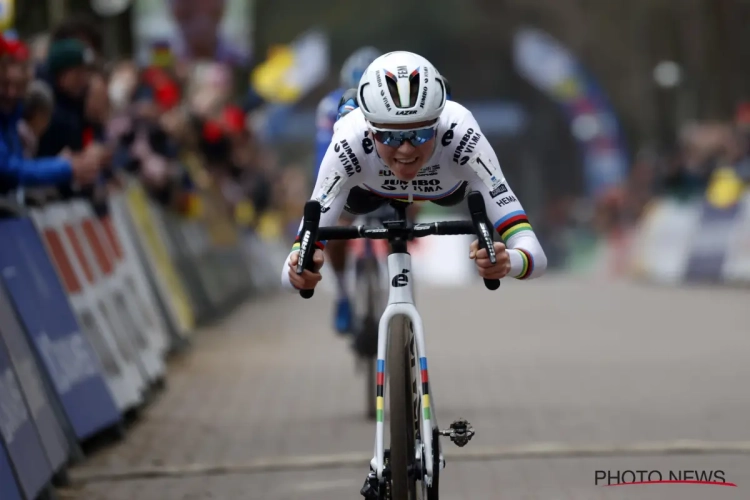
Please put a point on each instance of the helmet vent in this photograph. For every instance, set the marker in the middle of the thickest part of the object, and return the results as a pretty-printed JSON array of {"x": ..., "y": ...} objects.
[
  {"x": 362, "y": 97},
  {"x": 404, "y": 94}
]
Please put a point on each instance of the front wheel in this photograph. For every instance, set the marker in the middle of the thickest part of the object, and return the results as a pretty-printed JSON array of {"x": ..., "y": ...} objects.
[
  {"x": 401, "y": 415},
  {"x": 406, "y": 419}
]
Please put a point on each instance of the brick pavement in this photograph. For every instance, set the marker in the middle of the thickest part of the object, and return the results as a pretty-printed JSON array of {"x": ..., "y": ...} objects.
[{"x": 554, "y": 360}]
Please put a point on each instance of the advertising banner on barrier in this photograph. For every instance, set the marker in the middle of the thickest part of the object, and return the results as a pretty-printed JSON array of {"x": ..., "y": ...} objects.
[
  {"x": 158, "y": 260},
  {"x": 123, "y": 241},
  {"x": 8, "y": 486},
  {"x": 118, "y": 303},
  {"x": 708, "y": 248},
  {"x": 18, "y": 433},
  {"x": 44, "y": 309},
  {"x": 662, "y": 242},
  {"x": 22, "y": 358},
  {"x": 113, "y": 350},
  {"x": 130, "y": 279},
  {"x": 736, "y": 267}
]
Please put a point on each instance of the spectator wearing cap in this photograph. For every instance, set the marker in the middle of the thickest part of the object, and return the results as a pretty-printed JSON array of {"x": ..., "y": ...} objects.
[
  {"x": 68, "y": 70},
  {"x": 15, "y": 169},
  {"x": 68, "y": 73}
]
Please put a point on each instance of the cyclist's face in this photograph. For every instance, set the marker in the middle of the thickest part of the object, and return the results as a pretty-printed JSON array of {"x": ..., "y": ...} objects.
[{"x": 406, "y": 160}]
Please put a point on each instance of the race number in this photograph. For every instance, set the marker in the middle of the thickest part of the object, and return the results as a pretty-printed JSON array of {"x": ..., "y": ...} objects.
[
  {"x": 330, "y": 188},
  {"x": 487, "y": 171}
]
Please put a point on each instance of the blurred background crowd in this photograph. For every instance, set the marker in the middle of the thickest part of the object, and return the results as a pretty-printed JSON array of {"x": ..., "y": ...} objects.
[{"x": 193, "y": 94}]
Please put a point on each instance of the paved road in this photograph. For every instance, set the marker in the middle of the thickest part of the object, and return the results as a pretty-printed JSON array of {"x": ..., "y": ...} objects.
[{"x": 556, "y": 360}]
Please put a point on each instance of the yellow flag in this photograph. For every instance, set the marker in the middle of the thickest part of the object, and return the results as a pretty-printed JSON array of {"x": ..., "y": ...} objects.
[
  {"x": 269, "y": 79},
  {"x": 725, "y": 188}
]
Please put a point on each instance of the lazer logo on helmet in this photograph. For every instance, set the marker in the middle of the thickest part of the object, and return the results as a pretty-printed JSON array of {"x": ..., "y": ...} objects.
[
  {"x": 407, "y": 112},
  {"x": 402, "y": 72},
  {"x": 347, "y": 158},
  {"x": 418, "y": 185}
]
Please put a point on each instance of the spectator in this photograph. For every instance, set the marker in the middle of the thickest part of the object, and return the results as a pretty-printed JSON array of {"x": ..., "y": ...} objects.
[
  {"x": 68, "y": 72},
  {"x": 15, "y": 170},
  {"x": 83, "y": 29},
  {"x": 37, "y": 113}
]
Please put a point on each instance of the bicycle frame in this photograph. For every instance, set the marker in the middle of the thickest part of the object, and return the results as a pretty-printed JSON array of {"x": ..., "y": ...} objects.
[{"x": 401, "y": 303}]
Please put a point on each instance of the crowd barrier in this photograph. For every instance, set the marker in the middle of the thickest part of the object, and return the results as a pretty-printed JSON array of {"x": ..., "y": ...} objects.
[
  {"x": 693, "y": 241},
  {"x": 90, "y": 308}
]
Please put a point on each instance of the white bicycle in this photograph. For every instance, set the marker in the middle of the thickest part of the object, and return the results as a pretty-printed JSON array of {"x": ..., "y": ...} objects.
[{"x": 415, "y": 455}]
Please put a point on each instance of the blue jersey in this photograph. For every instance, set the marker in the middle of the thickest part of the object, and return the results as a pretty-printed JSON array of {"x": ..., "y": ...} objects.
[{"x": 325, "y": 117}]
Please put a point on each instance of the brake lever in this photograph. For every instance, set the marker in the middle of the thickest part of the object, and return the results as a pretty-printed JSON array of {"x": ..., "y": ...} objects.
[
  {"x": 484, "y": 237},
  {"x": 308, "y": 238}
]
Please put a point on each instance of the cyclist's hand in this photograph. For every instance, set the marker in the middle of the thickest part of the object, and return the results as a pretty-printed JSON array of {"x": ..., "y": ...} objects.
[
  {"x": 486, "y": 269},
  {"x": 308, "y": 279}
]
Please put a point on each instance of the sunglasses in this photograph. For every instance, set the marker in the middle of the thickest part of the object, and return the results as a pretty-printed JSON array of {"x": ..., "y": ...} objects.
[{"x": 394, "y": 138}]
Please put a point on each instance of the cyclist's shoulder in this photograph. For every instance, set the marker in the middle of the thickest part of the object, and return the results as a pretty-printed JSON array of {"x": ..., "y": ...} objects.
[
  {"x": 454, "y": 112},
  {"x": 459, "y": 134},
  {"x": 351, "y": 140}
]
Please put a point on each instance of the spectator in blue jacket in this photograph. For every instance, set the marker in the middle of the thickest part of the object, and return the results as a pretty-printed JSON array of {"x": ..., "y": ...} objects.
[{"x": 15, "y": 169}]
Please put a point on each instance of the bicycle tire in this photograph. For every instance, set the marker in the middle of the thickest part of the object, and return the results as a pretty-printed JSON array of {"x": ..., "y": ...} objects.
[
  {"x": 371, "y": 407},
  {"x": 368, "y": 271},
  {"x": 401, "y": 413}
]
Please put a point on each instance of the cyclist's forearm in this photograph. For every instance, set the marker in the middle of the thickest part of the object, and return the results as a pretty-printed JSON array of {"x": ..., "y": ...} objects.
[{"x": 527, "y": 258}]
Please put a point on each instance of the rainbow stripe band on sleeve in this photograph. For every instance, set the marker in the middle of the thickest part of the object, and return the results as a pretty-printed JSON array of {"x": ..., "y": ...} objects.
[
  {"x": 512, "y": 224},
  {"x": 528, "y": 264}
]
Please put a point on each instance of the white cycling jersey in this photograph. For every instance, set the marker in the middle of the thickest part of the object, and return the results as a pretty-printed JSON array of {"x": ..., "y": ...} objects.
[{"x": 462, "y": 156}]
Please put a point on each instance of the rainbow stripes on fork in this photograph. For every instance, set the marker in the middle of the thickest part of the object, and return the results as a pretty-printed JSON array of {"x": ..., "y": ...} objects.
[{"x": 380, "y": 381}]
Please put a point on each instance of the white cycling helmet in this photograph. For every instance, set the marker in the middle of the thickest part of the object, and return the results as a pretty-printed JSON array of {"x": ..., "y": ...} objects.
[
  {"x": 401, "y": 87},
  {"x": 356, "y": 65}
]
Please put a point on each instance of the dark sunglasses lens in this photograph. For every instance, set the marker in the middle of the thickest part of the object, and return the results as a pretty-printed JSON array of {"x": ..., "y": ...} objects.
[
  {"x": 395, "y": 139},
  {"x": 422, "y": 136}
]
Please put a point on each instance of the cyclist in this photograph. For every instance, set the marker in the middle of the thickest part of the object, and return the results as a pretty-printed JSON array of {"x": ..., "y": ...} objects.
[
  {"x": 330, "y": 109},
  {"x": 406, "y": 142}
]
